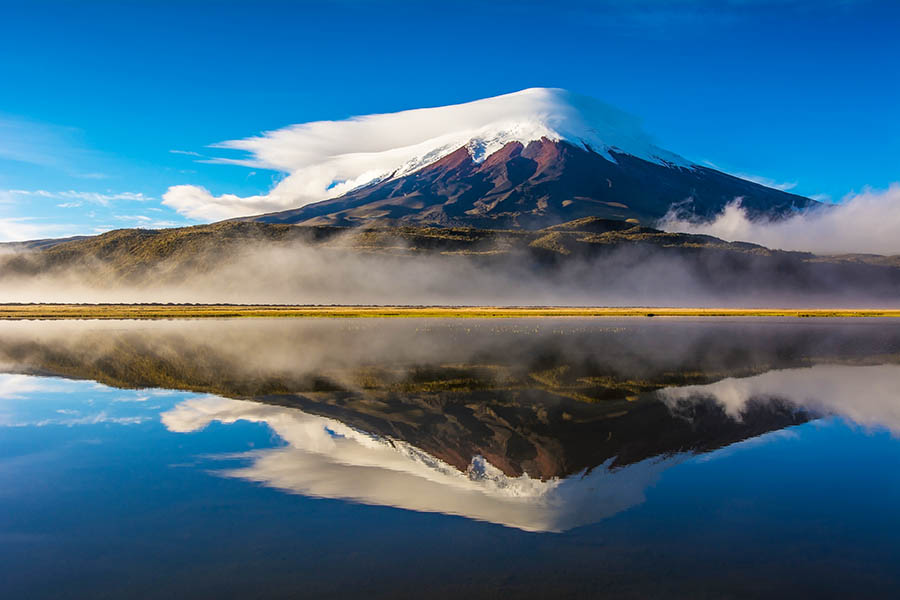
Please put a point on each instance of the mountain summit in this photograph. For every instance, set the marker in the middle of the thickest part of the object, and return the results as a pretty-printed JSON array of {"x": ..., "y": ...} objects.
[
  {"x": 530, "y": 159},
  {"x": 486, "y": 126}
]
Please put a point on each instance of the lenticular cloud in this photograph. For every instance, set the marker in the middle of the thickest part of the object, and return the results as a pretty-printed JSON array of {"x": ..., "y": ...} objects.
[
  {"x": 326, "y": 159},
  {"x": 865, "y": 223}
]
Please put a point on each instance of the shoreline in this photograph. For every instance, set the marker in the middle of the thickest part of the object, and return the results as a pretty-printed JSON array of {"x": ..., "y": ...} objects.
[{"x": 205, "y": 311}]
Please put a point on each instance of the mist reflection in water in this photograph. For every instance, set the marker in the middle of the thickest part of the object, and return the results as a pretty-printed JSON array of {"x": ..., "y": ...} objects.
[{"x": 868, "y": 396}]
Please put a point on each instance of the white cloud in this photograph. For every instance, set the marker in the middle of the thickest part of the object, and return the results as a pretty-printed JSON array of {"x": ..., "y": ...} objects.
[
  {"x": 103, "y": 198},
  {"x": 864, "y": 223},
  {"x": 145, "y": 221},
  {"x": 138, "y": 218},
  {"x": 198, "y": 203},
  {"x": 132, "y": 398},
  {"x": 21, "y": 229},
  {"x": 760, "y": 179},
  {"x": 186, "y": 153},
  {"x": 30, "y": 401},
  {"x": 16, "y": 228},
  {"x": 768, "y": 182},
  {"x": 16, "y": 387},
  {"x": 93, "y": 419}
]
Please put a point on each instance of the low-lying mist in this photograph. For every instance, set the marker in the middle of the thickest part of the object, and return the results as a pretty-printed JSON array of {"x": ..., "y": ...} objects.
[
  {"x": 301, "y": 272},
  {"x": 865, "y": 223}
]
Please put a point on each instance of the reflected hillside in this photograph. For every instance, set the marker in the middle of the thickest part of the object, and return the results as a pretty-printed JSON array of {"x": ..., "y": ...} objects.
[{"x": 546, "y": 398}]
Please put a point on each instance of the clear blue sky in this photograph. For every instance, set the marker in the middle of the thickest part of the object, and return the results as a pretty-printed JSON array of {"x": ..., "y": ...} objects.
[{"x": 95, "y": 95}]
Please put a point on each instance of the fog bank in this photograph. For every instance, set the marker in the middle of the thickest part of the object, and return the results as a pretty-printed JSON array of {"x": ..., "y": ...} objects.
[
  {"x": 302, "y": 273},
  {"x": 865, "y": 223}
]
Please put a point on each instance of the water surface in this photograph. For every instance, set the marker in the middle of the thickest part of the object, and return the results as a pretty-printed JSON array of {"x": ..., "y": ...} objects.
[{"x": 478, "y": 458}]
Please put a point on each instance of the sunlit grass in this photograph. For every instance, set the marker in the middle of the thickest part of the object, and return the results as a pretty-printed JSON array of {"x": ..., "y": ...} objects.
[{"x": 180, "y": 311}]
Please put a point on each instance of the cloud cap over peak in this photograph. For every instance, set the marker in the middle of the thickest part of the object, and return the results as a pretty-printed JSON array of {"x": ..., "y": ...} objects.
[{"x": 325, "y": 159}]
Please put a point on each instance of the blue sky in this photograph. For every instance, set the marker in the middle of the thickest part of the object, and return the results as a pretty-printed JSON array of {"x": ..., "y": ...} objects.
[{"x": 96, "y": 96}]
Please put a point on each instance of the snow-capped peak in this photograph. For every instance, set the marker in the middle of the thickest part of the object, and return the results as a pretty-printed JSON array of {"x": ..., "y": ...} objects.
[
  {"x": 325, "y": 159},
  {"x": 536, "y": 113}
]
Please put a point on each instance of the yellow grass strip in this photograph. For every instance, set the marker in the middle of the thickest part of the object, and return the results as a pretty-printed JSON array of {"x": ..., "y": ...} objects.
[{"x": 183, "y": 311}]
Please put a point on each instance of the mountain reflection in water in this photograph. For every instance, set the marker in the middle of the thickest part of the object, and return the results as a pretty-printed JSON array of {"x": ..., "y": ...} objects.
[{"x": 326, "y": 458}]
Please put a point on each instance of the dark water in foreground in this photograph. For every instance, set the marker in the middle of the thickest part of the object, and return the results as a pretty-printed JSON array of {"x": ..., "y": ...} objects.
[{"x": 641, "y": 458}]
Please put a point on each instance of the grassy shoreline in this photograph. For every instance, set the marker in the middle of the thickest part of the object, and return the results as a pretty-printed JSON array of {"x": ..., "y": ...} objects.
[{"x": 199, "y": 311}]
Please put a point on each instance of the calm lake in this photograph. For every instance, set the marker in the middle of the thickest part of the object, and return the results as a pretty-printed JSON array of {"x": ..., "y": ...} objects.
[{"x": 459, "y": 458}]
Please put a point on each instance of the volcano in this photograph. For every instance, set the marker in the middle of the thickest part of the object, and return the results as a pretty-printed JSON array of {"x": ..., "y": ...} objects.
[{"x": 526, "y": 160}]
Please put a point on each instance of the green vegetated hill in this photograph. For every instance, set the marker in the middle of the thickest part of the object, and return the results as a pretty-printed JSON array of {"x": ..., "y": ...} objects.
[{"x": 586, "y": 249}]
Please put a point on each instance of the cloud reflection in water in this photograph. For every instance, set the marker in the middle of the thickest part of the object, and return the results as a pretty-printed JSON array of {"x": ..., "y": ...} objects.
[{"x": 868, "y": 396}]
